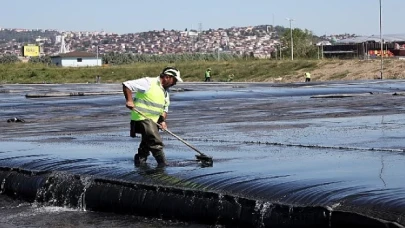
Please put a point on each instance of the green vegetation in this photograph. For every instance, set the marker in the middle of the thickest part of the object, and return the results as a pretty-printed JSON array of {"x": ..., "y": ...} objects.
[
  {"x": 243, "y": 71},
  {"x": 9, "y": 59},
  {"x": 303, "y": 40}
]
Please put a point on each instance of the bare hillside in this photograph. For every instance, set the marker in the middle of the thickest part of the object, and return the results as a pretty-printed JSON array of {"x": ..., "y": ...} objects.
[{"x": 352, "y": 70}]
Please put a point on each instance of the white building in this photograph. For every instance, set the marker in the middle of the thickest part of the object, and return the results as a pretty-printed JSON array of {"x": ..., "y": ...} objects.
[{"x": 76, "y": 59}]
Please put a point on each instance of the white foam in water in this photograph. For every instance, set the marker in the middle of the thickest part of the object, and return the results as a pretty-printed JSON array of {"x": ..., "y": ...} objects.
[
  {"x": 51, "y": 209},
  {"x": 34, "y": 209}
]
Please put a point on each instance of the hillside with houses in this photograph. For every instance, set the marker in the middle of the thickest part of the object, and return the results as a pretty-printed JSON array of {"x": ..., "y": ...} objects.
[{"x": 260, "y": 41}]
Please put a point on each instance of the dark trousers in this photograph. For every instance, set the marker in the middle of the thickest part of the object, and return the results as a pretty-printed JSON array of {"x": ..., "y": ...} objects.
[
  {"x": 151, "y": 142},
  {"x": 207, "y": 79},
  {"x": 307, "y": 79}
]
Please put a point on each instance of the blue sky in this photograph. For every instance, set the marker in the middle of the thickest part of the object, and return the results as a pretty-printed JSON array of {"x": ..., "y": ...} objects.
[{"x": 129, "y": 16}]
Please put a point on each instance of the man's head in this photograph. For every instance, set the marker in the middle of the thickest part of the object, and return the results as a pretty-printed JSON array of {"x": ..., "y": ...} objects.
[{"x": 169, "y": 77}]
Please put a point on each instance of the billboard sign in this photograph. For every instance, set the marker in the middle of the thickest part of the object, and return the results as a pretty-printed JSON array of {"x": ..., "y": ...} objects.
[{"x": 31, "y": 51}]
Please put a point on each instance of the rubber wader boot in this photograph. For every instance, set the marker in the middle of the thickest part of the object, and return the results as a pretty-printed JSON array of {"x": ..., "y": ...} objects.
[
  {"x": 140, "y": 157},
  {"x": 161, "y": 160}
]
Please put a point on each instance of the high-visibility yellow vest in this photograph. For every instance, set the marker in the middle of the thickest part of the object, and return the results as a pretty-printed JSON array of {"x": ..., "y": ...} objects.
[
  {"x": 307, "y": 75},
  {"x": 151, "y": 103}
]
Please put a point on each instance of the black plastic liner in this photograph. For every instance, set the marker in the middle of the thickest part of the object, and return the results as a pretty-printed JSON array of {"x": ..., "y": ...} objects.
[{"x": 96, "y": 194}]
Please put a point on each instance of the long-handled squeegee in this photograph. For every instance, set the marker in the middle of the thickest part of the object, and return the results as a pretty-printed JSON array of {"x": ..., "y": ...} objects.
[{"x": 205, "y": 159}]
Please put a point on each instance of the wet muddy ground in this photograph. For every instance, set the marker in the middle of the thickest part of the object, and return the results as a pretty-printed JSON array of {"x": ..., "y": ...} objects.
[{"x": 336, "y": 145}]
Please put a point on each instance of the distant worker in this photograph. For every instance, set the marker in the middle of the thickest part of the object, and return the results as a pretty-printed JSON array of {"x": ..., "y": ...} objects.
[
  {"x": 208, "y": 75},
  {"x": 307, "y": 77},
  {"x": 230, "y": 77}
]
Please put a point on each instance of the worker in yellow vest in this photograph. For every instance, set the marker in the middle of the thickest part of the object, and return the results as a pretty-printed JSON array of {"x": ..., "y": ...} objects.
[
  {"x": 208, "y": 75},
  {"x": 152, "y": 100},
  {"x": 307, "y": 77}
]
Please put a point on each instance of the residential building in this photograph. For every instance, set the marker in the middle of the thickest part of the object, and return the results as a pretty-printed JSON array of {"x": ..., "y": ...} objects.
[{"x": 76, "y": 59}]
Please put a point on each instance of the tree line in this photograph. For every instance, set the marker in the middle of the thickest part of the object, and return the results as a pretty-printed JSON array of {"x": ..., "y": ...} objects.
[{"x": 115, "y": 58}]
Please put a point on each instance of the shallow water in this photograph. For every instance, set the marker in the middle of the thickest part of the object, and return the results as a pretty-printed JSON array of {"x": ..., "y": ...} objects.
[{"x": 271, "y": 143}]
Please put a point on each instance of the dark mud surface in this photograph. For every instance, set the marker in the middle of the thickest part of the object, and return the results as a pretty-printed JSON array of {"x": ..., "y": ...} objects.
[{"x": 338, "y": 146}]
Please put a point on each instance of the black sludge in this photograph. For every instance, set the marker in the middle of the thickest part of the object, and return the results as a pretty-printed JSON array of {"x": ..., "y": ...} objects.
[
  {"x": 281, "y": 158},
  {"x": 58, "y": 189},
  {"x": 21, "y": 183},
  {"x": 62, "y": 189},
  {"x": 203, "y": 207}
]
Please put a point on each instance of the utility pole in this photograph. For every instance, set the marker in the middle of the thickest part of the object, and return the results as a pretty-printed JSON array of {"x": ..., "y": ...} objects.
[
  {"x": 382, "y": 42},
  {"x": 291, "y": 35},
  {"x": 322, "y": 51},
  {"x": 97, "y": 55},
  {"x": 200, "y": 27}
]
